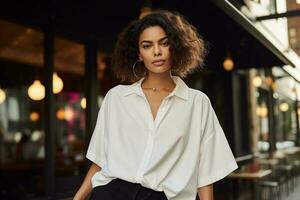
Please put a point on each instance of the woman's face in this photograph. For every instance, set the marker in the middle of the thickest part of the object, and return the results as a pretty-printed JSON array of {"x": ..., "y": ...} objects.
[{"x": 154, "y": 50}]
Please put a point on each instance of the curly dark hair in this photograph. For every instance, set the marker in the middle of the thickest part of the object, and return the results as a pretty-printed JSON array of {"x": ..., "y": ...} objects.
[{"x": 187, "y": 47}]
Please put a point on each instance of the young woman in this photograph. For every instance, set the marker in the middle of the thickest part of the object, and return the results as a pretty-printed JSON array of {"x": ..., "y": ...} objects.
[{"x": 156, "y": 138}]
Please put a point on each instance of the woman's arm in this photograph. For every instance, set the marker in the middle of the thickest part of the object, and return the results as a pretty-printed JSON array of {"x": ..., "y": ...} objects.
[
  {"x": 86, "y": 186},
  {"x": 206, "y": 192}
]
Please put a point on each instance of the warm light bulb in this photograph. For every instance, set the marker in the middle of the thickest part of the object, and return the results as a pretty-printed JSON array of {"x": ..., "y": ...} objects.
[
  {"x": 274, "y": 85},
  {"x": 57, "y": 83},
  {"x": 298, "y": 1},
  {"x": 264, "y": 111},
  {"x": 258, "y": 111},
  {"x": 83, "y": 103},
  {"x": 34, "y": 116},
  {"x": 17, "y": 137},
  {"x": 269, "y": 81},
  {"x": 257, "y": 81},
  {"x": 36, "y": 91},
  {"x": 36, "y": 135},
  {"x": 228, "y": 64},
  {"x": 60, "y": 114},
  {"x": 2, "y": 96},
  {"x": 284, "y": 107},
  {"x": 69, "y": 114}
]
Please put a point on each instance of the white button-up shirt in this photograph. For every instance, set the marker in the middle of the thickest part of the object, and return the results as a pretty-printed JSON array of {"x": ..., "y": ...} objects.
[{"x": 183, "y": 149}]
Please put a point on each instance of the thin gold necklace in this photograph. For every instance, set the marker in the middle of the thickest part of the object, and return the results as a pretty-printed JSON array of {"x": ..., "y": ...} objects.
[{"x": 156, "y": 89}]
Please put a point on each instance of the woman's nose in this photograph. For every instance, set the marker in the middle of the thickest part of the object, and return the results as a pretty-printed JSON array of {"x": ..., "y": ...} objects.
[{"x": 157, "y": 50}]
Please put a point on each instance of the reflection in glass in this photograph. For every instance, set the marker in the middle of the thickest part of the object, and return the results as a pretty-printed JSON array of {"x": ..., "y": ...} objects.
[
  {"x": 262, "y": 114},
  {"x": 21, "y": 128},
  {"x": 68, "y": 87}
]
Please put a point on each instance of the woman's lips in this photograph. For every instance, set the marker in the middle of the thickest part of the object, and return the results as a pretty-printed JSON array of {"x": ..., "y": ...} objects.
[{"x": 158, "y": 62}]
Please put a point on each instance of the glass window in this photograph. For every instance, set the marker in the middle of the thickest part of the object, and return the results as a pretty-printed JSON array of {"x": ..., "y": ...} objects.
[
  {"x": 285, "y": 108},
  {"x": 68, "y": 87},
  {"x": 22, "y": 149},
  {"x": 286, "y": 127},
  {"x": 262, "y": 111},
  {"x": 281, "y": 108}
]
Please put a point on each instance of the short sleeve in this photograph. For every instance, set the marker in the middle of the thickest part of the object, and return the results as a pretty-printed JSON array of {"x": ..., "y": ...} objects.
[
  {"x": 216, "y": 158},
  {"x": 96, "y": 149}
]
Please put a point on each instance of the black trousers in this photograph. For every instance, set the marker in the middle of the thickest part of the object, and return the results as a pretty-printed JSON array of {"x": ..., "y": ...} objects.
[{"x": 119, "y": 189}]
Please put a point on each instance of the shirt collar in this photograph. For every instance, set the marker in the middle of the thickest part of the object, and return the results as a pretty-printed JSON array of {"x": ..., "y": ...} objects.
[{"x": 180, "y": 90}]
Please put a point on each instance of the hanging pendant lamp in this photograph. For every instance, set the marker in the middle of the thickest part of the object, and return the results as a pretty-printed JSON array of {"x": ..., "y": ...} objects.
[
  {"x": 2, "y": 96},
  {"x": 36, "y": 91},
  {"x": 57, "y": 83}
]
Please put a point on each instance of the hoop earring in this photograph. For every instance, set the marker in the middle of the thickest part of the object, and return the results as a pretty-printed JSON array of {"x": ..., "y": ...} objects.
[{"x": 133, "y": 68}]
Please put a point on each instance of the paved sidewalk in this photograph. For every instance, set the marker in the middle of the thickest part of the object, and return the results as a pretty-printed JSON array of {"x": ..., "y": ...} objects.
[{"x": 295, "y": 195}]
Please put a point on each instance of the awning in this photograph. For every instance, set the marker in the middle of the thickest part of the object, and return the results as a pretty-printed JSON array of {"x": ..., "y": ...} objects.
[{"x": 288, "y": 56}]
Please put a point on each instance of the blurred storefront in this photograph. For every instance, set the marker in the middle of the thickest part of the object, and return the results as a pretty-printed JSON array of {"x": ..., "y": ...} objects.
[
  {"x": 266, "y": 110},
  {"x": 24, "y": 162},
  {"x": 272, "y": 91}
]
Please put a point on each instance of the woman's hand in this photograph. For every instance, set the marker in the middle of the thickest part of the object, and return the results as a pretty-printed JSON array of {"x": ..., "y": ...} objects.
[{"x": 86, "y": 186}]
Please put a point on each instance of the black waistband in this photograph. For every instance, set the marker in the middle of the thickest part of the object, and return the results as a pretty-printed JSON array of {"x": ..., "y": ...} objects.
[{"x": 122, "y": 189}]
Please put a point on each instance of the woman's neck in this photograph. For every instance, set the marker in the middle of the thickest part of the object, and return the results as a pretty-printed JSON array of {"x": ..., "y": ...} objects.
[{"x": 158, "y": 81}]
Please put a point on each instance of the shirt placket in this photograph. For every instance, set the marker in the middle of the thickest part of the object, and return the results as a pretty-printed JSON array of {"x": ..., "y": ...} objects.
[
  {"x": 152, "y": 126},
  {"x": 162, "y": 112},
  {"x": 149, "y": 145}
]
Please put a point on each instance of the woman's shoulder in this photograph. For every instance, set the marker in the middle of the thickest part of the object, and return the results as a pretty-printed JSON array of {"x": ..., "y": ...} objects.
[
  {"x": 198, "y": 95},
  {"x": 118, "y": 89}
]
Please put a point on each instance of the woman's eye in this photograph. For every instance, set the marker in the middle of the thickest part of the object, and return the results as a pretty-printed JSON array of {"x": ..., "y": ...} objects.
[
  {"x": 146, "y": 46},
  {"x": 165, "y": 43}
]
